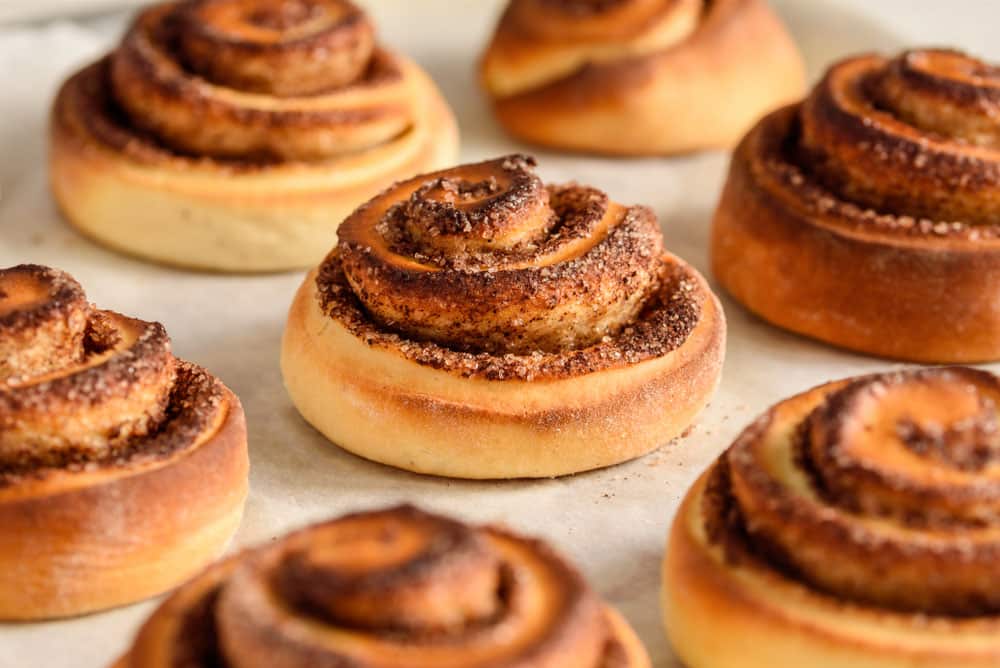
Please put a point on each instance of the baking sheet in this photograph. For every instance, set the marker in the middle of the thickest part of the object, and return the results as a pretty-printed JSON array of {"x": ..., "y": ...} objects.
[{"x": 612, "y": 523}]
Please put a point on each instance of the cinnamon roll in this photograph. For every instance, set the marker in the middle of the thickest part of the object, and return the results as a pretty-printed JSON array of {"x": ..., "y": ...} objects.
[
  {"x": 396, "y": 587},
  {"x": 123, "y": 470},
  {"x": 477, "y": 323},
  {"x": 638, "y": 77},
  {"x": 867, "y": 216},
  {"x": 234, "y": 134},
  {"x": 854, "y": 524}
]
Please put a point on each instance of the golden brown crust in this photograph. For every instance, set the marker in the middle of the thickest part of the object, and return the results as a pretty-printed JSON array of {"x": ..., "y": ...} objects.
[
  {"x": 639, "y": 77},
  {"x": 854, "y": 522},
  {"x": 43, "y": 315},
  {"x": 276, "y": 47},
  {"x": 668, "y": 319},
  {"x": 471, "y": 596},
  {"x": 122, "y": 469},
  {"x": 464, "y": 294},
  {"x": 259, "y": 173},
  {"x": 195, "y": 116},
  {"x": 551, "y": 269},
  {"x": 843, "y": 221}
]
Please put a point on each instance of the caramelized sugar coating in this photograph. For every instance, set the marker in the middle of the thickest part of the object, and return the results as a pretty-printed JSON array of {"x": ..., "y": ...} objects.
[
  {"x": 855, "y": 522},
  {"x": 104, "y": 440},
  {"x": 470, "y": 312},
  {"x": 396, "y": 587},
  {"x": 867, "y": 215},
  {"x": 235, "y": 134}
]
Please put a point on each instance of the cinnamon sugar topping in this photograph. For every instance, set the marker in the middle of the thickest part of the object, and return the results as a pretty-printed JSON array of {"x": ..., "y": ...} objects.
[
  {"x": 87, "y": 389},
  {"x": 663, "y": 326},
  {"x": 484, "y": 270},
  {"x": 970, "y": 444},
  {"x": 904, "y": 146},
  {"x": 894, "y": 474},
  {"x": 204, "y": 83},
  {"x": 284, "y": 15}
]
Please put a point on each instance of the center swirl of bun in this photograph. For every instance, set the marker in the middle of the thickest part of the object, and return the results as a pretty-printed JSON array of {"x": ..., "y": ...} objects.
[
  {"x": 262, "y": 80},
  {"x": 486, "y": 257},
  {"x": 916, "y": 137},
  {"x": 887, "y": 492},
  {"x": 281, "y": 47},
  {"x": 394, "y": 588},
  {"x": 76, "y": 383},
  {"x": 418, "y": 574}
]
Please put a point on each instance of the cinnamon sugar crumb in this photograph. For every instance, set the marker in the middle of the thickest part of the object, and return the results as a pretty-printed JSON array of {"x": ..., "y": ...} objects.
[{"x": 665, "y": 323}]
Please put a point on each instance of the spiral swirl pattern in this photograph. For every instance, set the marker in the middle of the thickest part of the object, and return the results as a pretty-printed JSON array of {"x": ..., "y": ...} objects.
[
  {"x": 277, "y": 47},
  {"x": 882, "y": 183},
  {"x": 485, "y": 257},
  {"x": 397, "y": 588},
  {"x": 638, "y": 77},
  {"x": 912, "y": 137},
  {"x": 885, "y": 493},
  {"x": 96, "y": 417},
  {"x": 234, "y": 134},
  {"x": 854, "y": 524},
  {"x": 78, "y": 383},
  {"x": 573, "y": 33},
  {"x": 480, "y": 298},
  {"x": 267, "y": 79}
]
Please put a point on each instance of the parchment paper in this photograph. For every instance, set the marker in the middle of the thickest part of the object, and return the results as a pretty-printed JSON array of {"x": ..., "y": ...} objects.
[{"x": 612, "y": 522}]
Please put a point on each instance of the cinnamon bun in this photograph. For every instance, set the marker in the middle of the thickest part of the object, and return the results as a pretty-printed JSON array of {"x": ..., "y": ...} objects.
[
  {"x": 396, "y": 587},
  {"x": 638, "y": 77},
  {"x": 477, "y": 323},
  {"x": 856, "y": 524},
  {"x": 234, "y": 134},
  {"x": 867, "y": 216},
  {"x": 123, "y": 470}
]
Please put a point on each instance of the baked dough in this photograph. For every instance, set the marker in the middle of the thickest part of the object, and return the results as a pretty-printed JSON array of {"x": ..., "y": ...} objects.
[
  {"x": 477, "y": 323},
  {"x": 639, "y": 77},
  {"x": 867, "y": 216},
  {"x": 852, "y": 525},
  {"x": 234, "y": 135},
  {"x": 123, "y": 470},
  {"x": 393, "y": 588}
]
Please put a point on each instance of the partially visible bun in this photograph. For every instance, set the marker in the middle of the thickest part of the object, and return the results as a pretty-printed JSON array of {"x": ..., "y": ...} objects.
[
  {"x": 638, "y": 77},
  {"x": 234, "y": 135},
  {"x": 868, "y": 216},
  {"x": 395, "y": 588},
  {"x": 855, "y": 524},
  {"x": 123, "y": 470}
]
